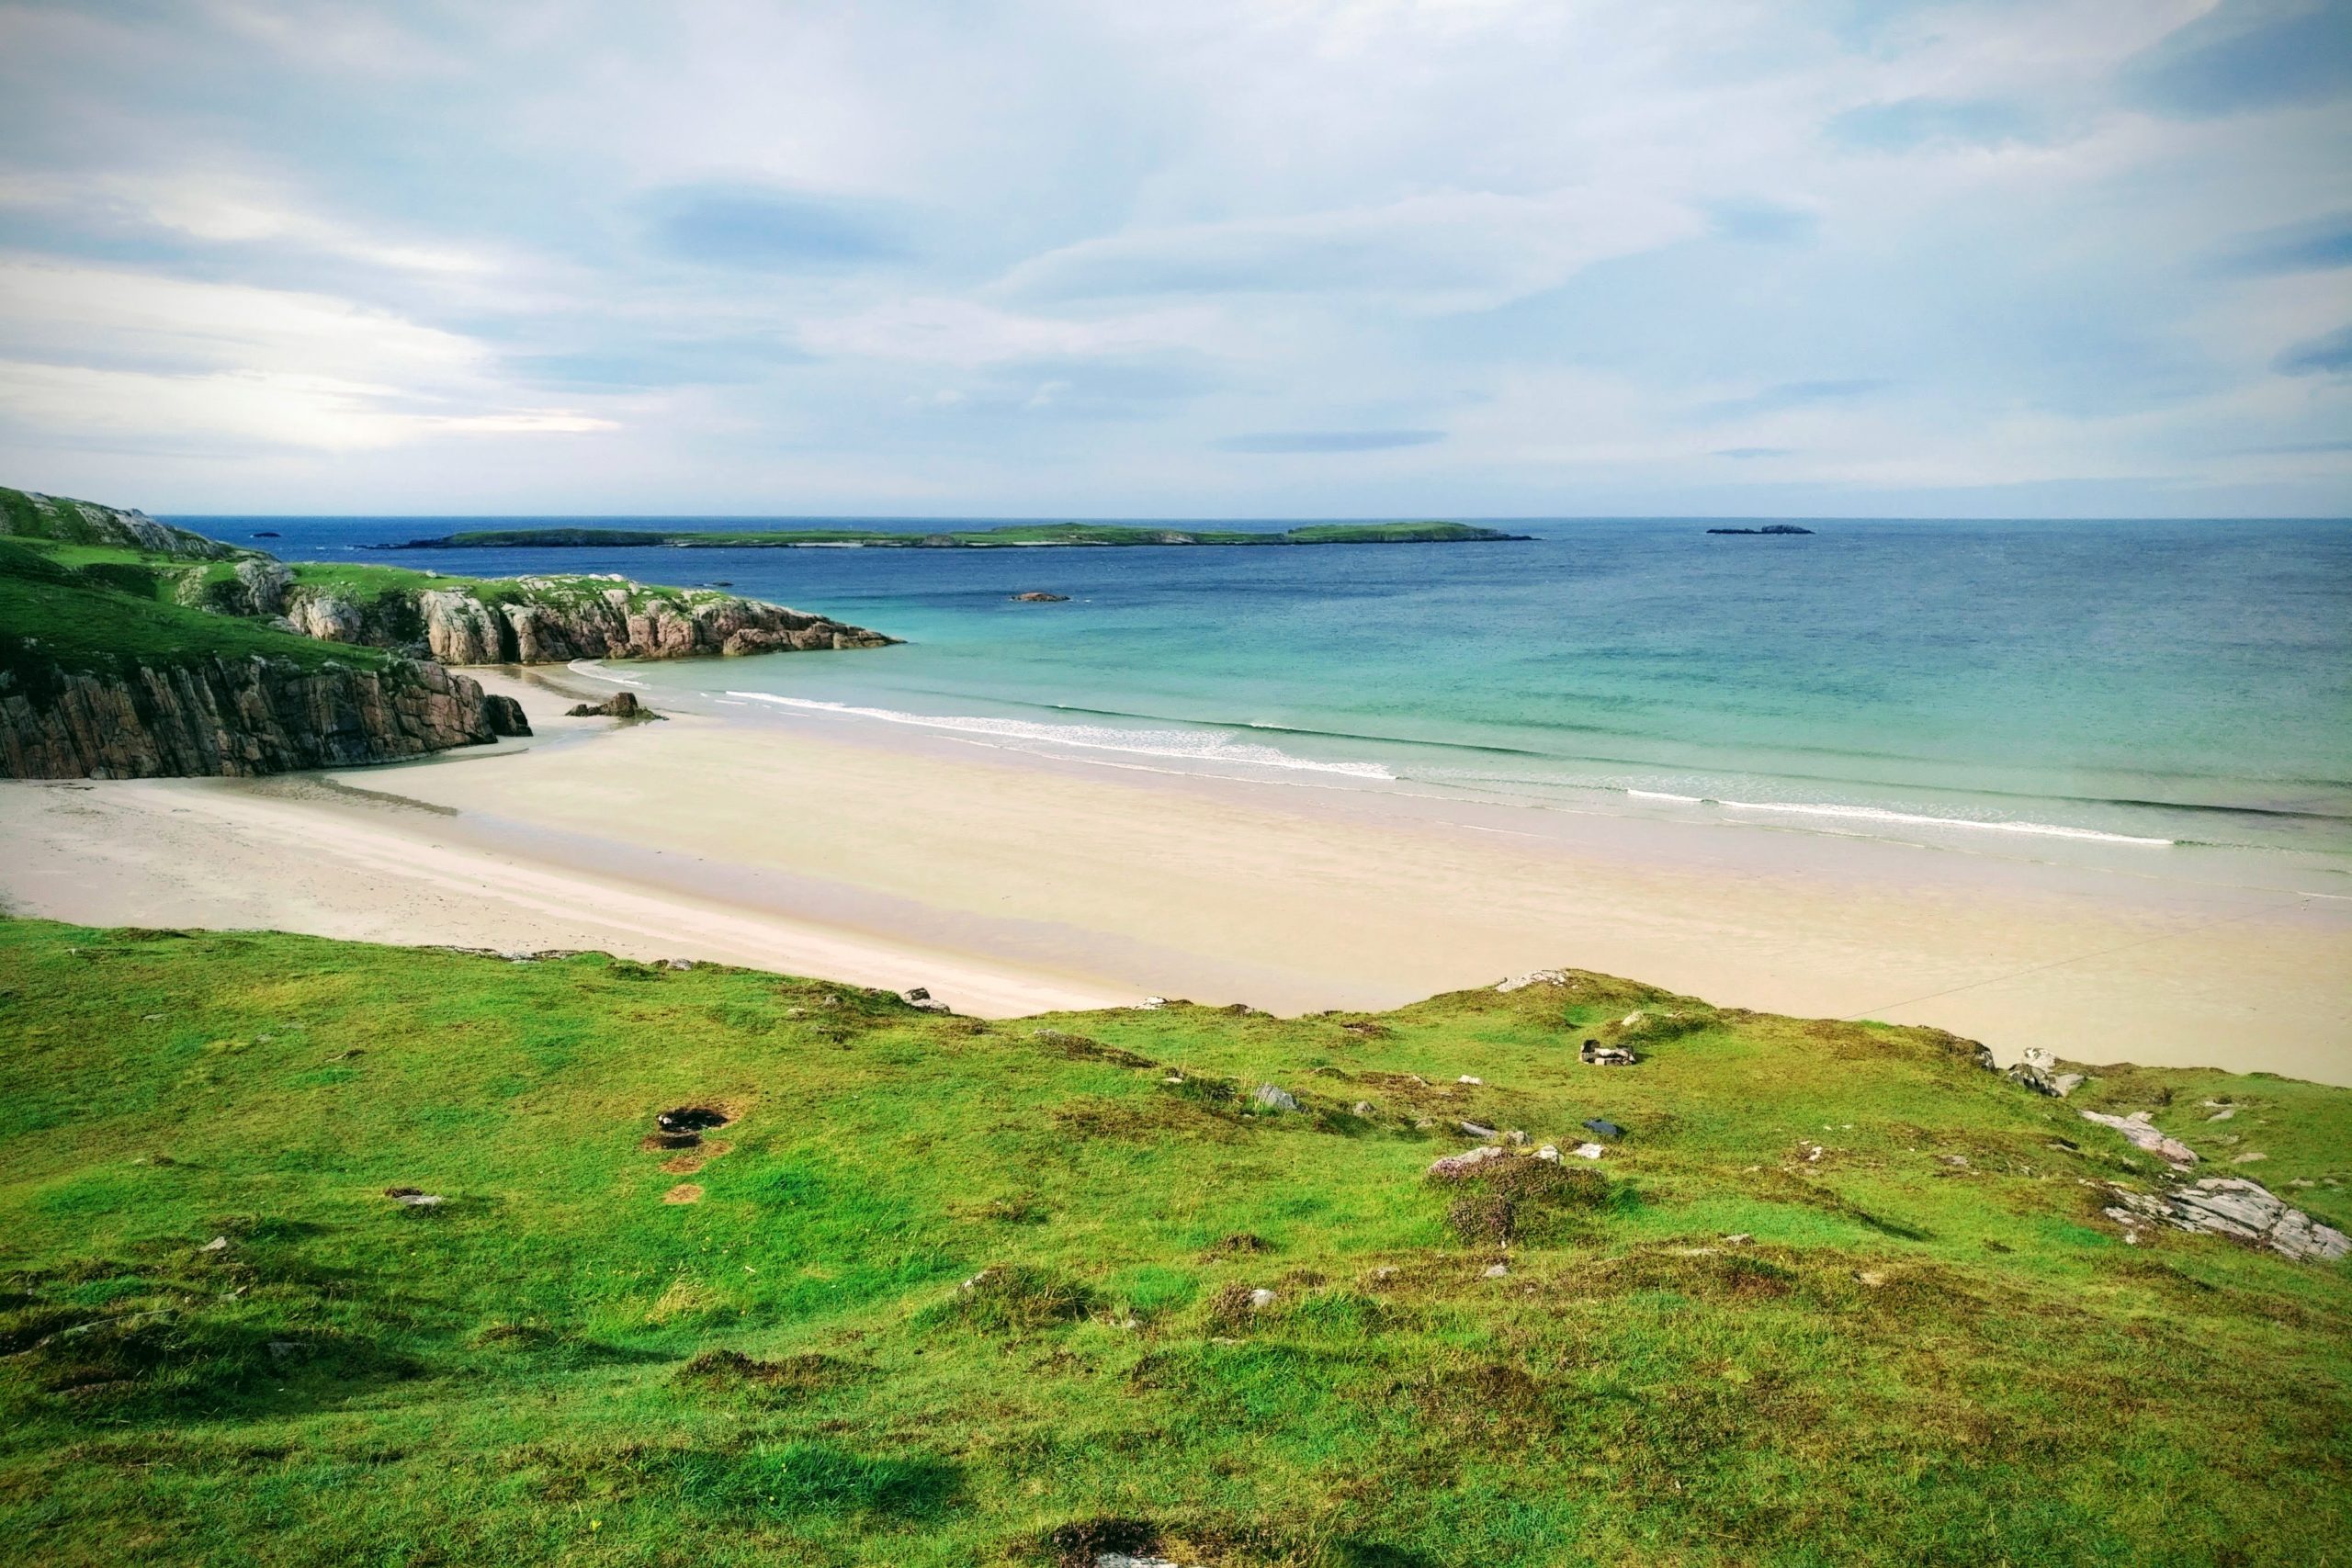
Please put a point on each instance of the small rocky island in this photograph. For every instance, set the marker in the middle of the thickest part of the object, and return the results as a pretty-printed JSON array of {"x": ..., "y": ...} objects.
[{"x": 1768, "y": 529}]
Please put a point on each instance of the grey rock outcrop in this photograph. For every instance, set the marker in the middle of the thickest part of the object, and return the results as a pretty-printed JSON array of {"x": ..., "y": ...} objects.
[
  {"x": 2039, "y": 1071},
  {"x": 2243, "y": 1211},
  {"x": 2145, "y": 1134},
  {"x": 237, "y": 717},
  {"x": 329, "y": 617},
  {"x": 621, "y": 622}
]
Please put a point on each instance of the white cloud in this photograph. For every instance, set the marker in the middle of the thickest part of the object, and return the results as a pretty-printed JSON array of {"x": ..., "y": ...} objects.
[{"x": 87, "y": 350}]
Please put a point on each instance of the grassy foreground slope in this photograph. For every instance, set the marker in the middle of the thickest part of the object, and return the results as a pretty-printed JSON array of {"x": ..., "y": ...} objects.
[
  {"x": 1933, "y": 1350},
  {"x": 1011, "y": 535}
]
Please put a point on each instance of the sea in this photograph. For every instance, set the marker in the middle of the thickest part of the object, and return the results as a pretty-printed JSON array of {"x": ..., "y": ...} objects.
[{"x": 2172, "y": 698}]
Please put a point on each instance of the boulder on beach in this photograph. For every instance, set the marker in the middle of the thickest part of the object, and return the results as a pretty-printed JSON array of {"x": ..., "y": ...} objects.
[{"x": 620, "y": 705}]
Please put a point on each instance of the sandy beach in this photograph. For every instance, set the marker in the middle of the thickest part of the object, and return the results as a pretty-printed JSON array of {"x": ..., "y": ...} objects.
[{"x": 1010, "y": 883}]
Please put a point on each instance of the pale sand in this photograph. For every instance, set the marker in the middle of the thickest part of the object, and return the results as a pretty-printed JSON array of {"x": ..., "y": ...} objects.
[{"x": 1010, "y": 883}]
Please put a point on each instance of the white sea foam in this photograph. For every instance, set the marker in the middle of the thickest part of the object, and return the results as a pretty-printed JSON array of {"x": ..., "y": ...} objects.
[
  {"x": 1202, "y": 746},
  {"x": 595, "y": 671},
  {"x": 1913, "y": 818}
]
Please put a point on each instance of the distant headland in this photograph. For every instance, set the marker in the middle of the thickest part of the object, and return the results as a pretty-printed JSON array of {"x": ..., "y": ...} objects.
[
  {"x": 1015, "y": 535},
  {"x": 1768, "y": 529}
]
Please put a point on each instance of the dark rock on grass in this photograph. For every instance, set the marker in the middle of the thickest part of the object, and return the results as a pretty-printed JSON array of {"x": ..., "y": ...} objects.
[
  {"x": 1595, "y": 1055},
  {"x": 620, "y": 705},
  {"x": 691, "y": 1119},
  {"x": 1601, "y": 1127}
]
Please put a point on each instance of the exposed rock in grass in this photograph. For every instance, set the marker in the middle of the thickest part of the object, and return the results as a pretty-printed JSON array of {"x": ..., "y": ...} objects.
[
  {"x": 2039, "y": 1071},
  {"x": 1555, "y": 977},
  {"x": 691, "y": 1119},
  {"x": 1475, "y": 1130},
  {"x": 1097, "y": 1542},
  {"x": 1275, "y": 1098},
  {"x": 1602, "y": 1127},
  {"x": 2234, "y": 1207},
  {"x": 414, "y": 1198},
  {"x": 2137, "y": 1128},
  {"x": 1589, "y": 1151},
  {"x": 1452, "y": 1168},
  {"x": 1593, "y": 1054}
]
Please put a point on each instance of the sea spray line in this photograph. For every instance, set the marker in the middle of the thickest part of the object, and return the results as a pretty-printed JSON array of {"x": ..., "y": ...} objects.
[
  {"x": 596, "y": 671},
  {"x": 1098, "y": 737},
  {"x": 1880, "y": 814}
]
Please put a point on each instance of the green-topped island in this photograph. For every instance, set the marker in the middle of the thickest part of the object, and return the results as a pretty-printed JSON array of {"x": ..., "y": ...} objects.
[{"x": 1011, "y": 534}]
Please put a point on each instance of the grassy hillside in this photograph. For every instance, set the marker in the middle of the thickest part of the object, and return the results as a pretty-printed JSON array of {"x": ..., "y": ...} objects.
[
  {"x": 96, "y": 608},
  {"x": 1030, "y": 535},
  {"x": 1835, "y": 1295},
  {"x": 27, "y": 515}
]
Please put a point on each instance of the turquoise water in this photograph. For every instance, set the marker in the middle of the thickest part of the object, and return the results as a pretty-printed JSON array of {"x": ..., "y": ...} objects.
[{"x": 2149, "y": 688}]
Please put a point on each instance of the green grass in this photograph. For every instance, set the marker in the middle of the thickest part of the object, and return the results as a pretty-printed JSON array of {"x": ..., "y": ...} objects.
[
  {"x": 1915, "y": 1360},
  {"x": 1009, "y": 535},
  {"x": 96, "y": 610},
  {"x": 25, "y": 516}
]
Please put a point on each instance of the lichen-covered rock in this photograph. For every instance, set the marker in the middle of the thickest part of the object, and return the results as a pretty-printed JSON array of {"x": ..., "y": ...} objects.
[
  {"x": 2039, "y": 1071},
  {"x": 1453, "y": 1168},
  {"x": 237, "y": 717},
  {"x": 2138, "y": 1128},
  {"x": 2243, "y": 1211},
  {"x": 265, "y": 582},
  {"x": 561, "y": 623},
  {"x": 329, "y": 617}
]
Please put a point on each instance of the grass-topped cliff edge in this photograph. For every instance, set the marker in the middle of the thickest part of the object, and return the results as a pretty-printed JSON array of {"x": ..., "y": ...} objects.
[
  {"x": 941, "y": 1292},
  {"x": 55, "y": 553}
]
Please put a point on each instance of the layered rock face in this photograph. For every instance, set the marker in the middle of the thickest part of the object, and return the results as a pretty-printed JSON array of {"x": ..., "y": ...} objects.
[
  {"x": 237, "y": 717},
  {"x": 461, "y": 629}
]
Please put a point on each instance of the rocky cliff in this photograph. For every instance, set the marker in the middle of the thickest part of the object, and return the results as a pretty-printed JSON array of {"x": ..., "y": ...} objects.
[
  {"x": 225, "y": 716},
  {"x": 621, "y": 622},
  {"x": 533, "y": 620}
]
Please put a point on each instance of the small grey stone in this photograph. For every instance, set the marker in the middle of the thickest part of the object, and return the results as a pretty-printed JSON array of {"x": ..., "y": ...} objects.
[{"x": 1275, "y": 1098}]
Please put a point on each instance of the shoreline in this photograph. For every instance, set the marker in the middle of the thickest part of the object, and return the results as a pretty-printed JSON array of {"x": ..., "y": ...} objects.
[{"x": 1008, "y": 882}]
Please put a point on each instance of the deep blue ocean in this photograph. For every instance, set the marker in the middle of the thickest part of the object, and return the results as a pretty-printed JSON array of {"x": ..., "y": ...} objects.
[{"x": 2124, "y": 688}]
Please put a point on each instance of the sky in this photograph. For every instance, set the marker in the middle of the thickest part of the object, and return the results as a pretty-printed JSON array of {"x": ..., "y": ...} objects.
[{"x": 1221, "y": 258}]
